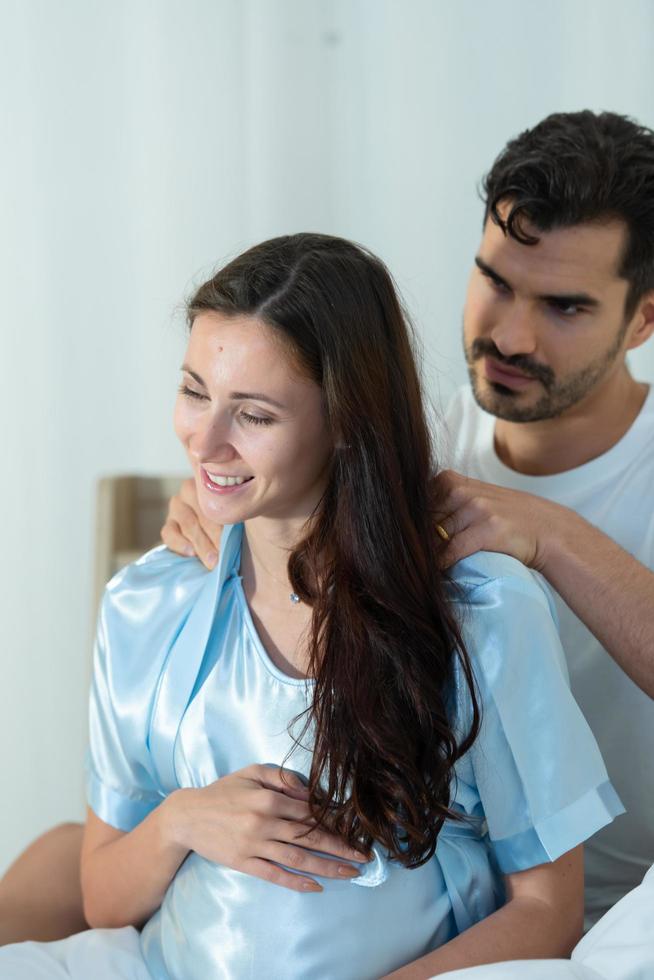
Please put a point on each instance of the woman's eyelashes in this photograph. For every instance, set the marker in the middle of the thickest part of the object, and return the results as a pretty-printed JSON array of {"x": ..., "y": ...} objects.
[
  {"x": 191, "y": 393},
  {"x": 245, "y": 416},
  {"x": 256, "y": 419}
]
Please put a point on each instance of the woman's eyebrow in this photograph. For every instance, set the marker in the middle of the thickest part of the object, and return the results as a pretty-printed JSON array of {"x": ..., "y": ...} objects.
[
  {"x": 255, "y": 396},
  {"x": 194, "y": 375},
  {"x": 240, "y": 396}
]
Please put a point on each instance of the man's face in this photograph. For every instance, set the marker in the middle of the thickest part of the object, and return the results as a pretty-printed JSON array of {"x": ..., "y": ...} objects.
[{"x": 544, "y": 324}]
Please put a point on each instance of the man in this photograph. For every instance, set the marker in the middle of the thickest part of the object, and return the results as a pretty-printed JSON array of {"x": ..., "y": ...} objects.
[
  {"x": 556, "y": 434},
  {"x": 562, "y": 288},
  {"x": 561, "y": 434}
]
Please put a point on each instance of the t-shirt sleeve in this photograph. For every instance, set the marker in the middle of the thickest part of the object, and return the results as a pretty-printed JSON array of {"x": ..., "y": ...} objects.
[{"x": 541, "y": 783}]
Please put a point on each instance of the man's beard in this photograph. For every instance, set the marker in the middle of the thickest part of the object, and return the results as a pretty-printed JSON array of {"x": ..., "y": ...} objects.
[{"x": 558, "y": 395}]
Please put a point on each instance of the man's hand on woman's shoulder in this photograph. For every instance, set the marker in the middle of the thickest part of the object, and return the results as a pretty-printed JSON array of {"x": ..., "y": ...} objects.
[
  {"x": 186, "y": 531},
  {"x": 483, "y": 517}
]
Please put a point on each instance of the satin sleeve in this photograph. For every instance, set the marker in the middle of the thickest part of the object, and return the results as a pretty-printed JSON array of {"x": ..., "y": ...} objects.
[
  {"x": 142, "y": 611},
  {"x": 535, "y": 773}
]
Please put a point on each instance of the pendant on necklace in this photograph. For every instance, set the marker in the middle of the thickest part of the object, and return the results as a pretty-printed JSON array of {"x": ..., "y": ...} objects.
[{"x": 294, "y": 597}]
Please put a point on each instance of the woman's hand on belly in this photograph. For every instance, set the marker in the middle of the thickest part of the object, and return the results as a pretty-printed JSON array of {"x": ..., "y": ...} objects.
[{"x": 255, "y": 820}]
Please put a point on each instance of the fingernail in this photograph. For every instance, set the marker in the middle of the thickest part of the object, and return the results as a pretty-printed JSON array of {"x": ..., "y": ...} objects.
[
  {"x": 311, "y": 886},
  {"x": 359, "y": 856},
  {"x": 189, "y": 550},
  {"x": 211, "y": 559},
  {"x": 347, "y": 871}
]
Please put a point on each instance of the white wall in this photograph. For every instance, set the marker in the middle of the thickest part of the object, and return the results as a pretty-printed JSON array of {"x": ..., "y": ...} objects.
[{"x": 149, "y": 139}]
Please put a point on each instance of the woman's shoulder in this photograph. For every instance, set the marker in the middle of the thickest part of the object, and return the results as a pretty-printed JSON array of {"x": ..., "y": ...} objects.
[
  {"x": 508, "y": 620},
  {"x": 472, "y": 578},
  {"x": 143, "y": 611},
  {"x": 146, "y": 604},
  {"x": 158, "y": 578},
  {"x": 151, "y": 599}
]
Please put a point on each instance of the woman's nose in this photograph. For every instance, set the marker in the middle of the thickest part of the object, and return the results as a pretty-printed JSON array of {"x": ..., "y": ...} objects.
[{"x": 211, "y": 443}]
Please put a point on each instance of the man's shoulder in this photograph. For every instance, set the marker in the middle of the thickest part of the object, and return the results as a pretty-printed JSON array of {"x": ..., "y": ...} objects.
[
  {"x": 460, "y": 405},
  {"x": 468, "y": 430}
]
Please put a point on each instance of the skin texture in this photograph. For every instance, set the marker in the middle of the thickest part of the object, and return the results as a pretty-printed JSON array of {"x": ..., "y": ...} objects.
[{"x": 40, "y": 894}]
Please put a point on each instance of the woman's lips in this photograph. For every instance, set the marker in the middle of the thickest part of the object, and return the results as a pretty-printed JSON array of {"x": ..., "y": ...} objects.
[
  {"x": 498, "y": 374},
  {"x": 214, "y": 488}
]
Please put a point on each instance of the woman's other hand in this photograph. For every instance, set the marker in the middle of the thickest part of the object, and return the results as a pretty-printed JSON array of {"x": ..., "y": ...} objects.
[
  {"x": 186, "y": 531},
  {"x": 255, "y": 820}
]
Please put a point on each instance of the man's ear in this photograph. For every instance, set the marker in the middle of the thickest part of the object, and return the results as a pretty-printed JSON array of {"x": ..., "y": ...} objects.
[{"x": 642, "y": 322}]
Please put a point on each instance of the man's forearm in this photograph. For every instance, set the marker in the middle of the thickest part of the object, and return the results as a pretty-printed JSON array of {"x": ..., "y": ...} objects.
[{"x": 610, "y": 591}]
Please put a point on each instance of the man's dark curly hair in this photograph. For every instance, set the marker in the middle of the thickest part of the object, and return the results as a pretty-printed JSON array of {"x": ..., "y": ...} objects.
[{"x": 576, "y": 167}]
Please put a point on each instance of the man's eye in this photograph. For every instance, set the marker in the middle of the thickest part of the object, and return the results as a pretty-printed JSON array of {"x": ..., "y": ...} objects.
[
  {"x": 497, "y": 284},
  {"x": 567, "y": 309},
  {"x": 255, "y": 419},
  {"x": 191, "y": 393}
]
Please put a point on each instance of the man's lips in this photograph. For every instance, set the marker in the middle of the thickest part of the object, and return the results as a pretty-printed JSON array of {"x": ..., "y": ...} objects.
[{"x": 503, "y": 375}]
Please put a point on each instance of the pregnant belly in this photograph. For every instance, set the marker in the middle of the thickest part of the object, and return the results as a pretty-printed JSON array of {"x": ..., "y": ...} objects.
[{"x": 219, "y": 923}]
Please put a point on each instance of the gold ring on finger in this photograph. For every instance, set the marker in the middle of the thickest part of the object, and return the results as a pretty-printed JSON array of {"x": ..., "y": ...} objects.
[{"x": 442, "y": 532}]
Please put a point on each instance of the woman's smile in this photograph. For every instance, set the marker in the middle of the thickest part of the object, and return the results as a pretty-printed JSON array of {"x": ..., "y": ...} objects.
[
  {"x": 221, "y": 483},
  {"x": 254, "y": 429}
]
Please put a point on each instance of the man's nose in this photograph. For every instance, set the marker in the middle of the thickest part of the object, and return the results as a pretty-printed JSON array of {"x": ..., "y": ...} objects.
[{"x": 514, "y": 333}]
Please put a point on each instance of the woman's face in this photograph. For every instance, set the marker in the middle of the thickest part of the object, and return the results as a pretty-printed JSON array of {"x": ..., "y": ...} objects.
[{"x": 245, "y": 414}]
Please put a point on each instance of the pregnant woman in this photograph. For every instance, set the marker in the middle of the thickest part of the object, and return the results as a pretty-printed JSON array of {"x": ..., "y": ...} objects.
[{"x": 326, "y": 758}]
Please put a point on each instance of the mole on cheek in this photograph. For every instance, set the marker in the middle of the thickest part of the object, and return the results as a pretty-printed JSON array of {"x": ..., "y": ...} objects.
[{"x": 220, "y": 350}]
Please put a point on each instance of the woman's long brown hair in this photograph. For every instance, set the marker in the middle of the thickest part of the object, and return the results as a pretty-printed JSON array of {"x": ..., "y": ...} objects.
[{"x": 383, "y": 641}]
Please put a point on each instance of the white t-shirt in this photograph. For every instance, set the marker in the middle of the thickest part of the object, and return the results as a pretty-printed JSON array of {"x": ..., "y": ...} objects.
[{"x": 615, "y": 492}]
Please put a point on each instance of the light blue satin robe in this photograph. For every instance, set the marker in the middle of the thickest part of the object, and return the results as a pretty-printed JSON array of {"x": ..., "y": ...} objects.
[{"x": 184, "y": 693}]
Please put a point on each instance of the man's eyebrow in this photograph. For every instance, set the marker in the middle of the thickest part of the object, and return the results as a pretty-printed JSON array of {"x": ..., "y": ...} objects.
[
  {"x": 237, "y": 396},
  {"x": 558, "y": 299},
  {"x": 572, "y": 299},
  {"x": 490, "y": 272}
]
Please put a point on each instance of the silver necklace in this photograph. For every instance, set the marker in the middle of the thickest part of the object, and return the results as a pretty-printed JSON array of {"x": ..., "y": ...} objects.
[{"x": 293, "y": 596}]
